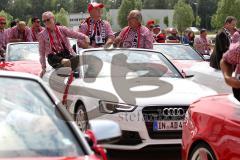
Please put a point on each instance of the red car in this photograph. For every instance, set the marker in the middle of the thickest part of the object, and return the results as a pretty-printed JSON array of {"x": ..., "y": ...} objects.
[
  {"x": 183, "y": 56},
  {"x": 22, "y": 57},
  {"x": 211, "y": 129}
]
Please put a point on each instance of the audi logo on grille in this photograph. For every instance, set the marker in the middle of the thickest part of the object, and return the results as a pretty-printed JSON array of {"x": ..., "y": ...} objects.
[{"x": 173, "y": 112}]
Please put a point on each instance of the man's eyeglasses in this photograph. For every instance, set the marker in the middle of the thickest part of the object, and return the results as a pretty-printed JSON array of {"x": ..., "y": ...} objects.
[
  {"x": 46, "y": 20},
  {"x": 37, "y": 21}
]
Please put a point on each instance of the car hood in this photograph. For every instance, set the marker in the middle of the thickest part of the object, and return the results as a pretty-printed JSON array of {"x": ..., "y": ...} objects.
[
  {"x": 186, "y": 64},
  {"x": 93, "y": 157},
  {"x": 32, "y": 67},
  {"x": 143, "y": 91},
  {"x": 224, "y": 105}
]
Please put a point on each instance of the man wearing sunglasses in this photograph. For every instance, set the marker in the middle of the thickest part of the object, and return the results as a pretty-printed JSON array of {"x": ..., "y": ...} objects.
[
  {"x": 3, "y": 36},
  {"x": 54, "y": 44},
  {"x": 20, "y": 33},
  {"x": 99, "y": 31},
  {"x": 36, "y": 28}
]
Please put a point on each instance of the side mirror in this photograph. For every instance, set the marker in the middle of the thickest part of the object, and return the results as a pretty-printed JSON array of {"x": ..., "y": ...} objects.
[
  {"x": 64, "y": 71},
  {"x": 187, "y": 74},
  {"x": 105, "y": 131},
  {"x": 206, "y": 57}
]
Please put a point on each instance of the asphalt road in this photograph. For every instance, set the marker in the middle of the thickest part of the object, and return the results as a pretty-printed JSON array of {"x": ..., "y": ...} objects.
[{"x": 146, "y": 154}]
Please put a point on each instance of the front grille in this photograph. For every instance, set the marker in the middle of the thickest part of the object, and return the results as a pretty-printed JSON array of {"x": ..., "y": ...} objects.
[
  {"x": 160, "y": 113},
  {"x": 129, "y": 138}
]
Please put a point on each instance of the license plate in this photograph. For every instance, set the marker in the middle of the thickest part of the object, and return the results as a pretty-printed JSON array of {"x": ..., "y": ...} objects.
[{"x": 167, "y": 125}]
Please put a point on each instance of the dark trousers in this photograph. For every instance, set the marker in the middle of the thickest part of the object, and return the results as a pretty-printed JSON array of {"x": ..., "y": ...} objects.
[
  {"x": 236, "y": 93},
  {"x": 55, "y": 60}
]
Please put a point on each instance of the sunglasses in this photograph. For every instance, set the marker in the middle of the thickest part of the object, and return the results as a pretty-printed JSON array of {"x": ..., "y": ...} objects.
[
  {"x": 37, "y": 21},
  {"x": 46, "y": 20},
  {"x": 3, "y": 23}
]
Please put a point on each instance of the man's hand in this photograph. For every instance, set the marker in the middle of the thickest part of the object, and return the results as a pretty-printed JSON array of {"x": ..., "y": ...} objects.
[
  {"x": 42, "y": 72},
  {"x": 227, "y": 71}
]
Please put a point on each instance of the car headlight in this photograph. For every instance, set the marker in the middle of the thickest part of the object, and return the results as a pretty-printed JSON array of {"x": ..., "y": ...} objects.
[{"x": 111, "y": 107}]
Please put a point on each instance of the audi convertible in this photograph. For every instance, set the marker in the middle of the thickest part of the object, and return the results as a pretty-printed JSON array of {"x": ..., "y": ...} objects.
[{"x": 140, "y": 89}]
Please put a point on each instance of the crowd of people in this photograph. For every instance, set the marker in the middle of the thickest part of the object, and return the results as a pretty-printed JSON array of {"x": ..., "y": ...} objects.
[{"x": 54, "y": 45}]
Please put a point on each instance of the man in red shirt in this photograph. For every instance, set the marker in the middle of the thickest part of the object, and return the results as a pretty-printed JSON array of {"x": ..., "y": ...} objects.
[
  {"x": 135, "y": 35},
  {"x": 99, "y": 31},
  {"x": 20, "y": 33},
  {"x": 36, "y": 28},
  {"x": 150, "y": 24},
  {"x": 54, "y": 44},
  {"x": 3, "y": 36},
  {"x": 158, "y": 36}
]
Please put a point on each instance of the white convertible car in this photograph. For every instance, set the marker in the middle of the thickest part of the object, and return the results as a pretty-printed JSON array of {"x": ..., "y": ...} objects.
[{"x": 140, "y": 89}]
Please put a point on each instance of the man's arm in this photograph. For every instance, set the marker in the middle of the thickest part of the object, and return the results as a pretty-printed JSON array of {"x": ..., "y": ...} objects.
[{"x": 227, "y": 70}]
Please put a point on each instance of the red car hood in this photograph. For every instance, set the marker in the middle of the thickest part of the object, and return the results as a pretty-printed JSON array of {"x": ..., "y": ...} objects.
[
  {"x": 186, "y": 64},
  {"x": 223, "y": 105},
  {"x": 32, "y": 67},
  {"x": 92, "y": 157}
]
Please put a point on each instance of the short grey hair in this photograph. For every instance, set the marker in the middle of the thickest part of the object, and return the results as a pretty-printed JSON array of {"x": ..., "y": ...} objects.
[
  {"x": 135, "y": 14},
  {"x": 48, "y": 14}
]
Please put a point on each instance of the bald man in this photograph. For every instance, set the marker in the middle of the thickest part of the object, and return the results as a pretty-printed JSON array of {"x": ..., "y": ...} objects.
[
  {"x": 135, "y": 35},
  {"x": 20, "y": 33}
]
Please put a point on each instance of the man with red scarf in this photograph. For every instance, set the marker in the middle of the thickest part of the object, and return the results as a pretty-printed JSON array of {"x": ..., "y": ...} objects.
[
  {"x": 36, "y": 28},
  {"x": 20, "y": 33},
  {"x": 135, "y": 35},
  {"x": 54, "y": 44},
  {"x": 99, "y": 31}
]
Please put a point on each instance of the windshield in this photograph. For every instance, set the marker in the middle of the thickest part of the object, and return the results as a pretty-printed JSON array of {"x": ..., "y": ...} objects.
[
  {"x": 29, "y": 125},
  {"x": 178, "y": 52},
  {"x": 23, "y": 52},
  {"x": 127, "y": 63}
]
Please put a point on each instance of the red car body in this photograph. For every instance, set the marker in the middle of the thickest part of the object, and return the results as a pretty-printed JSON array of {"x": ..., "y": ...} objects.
[
  {"x": 32, "y": 67},
  {"x": 15, "y": 59},
  {"x": 215, "y": 122}
]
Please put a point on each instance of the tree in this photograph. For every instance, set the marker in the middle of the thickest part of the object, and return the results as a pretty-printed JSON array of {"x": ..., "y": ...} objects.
[
  {"x": 62, "y": 17},
  {"x": 125, "y": 8},
  {"x": 206, "y": 9},
  {"x": 159, "y": 4},
  {"x": 79, "y": 6},
  {"x": 166, "y": 21},
  {"x": 225, "y": 8},
  {"x": 183, "y": 15},
  {"x": 8, "y": 17}
]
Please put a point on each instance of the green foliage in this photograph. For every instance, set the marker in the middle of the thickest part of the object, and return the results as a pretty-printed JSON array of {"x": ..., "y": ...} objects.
[
  {"x": 166, "y": 21},
  {"x": 29, "y": 22},
  {"x": 206, "y": 9},
  {"x": 198, "y": 21},
  {"x": 8, "y": 17},
  {"x": 159, "y": 4},
  {"x": 125, "y": 8},
  {"x": 79, "y": 6},
  {"x": 183, "y": 15},
  {"x": 225, "y": 8},
  {"x": 62, "y": 17}
]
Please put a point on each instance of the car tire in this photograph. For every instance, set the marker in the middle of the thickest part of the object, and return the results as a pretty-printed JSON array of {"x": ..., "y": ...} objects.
[
  {"x": 81, "y": 117},
  {"x": 202, "y": 147}
]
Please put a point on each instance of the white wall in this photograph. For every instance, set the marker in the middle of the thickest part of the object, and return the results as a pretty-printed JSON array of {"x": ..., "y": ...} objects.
[
  {"x": 147, "y": 14},
  {"x": 159, "y": 14}
]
